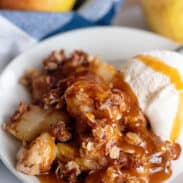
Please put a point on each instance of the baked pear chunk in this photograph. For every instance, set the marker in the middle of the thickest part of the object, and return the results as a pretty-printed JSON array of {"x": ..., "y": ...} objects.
[
  {"x": 29, "y": 121},
  {"x": 37, "y": 157}
]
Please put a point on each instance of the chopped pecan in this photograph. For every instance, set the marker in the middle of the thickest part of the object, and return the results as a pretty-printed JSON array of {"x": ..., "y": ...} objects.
[
  {"x": 54, "y": 60},
  {"x": 133, "y": 138},
  {"x": 54, "y": 98},
  {"x": 60, "y": 132},
  {"x": 68, "y": 172}
]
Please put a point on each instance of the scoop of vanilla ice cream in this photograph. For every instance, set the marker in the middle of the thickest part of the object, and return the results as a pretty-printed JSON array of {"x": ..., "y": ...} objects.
[{"x": 157, "y": 93}]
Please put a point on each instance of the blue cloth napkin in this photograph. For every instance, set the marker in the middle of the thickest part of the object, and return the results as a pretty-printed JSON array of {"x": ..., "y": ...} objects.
[
  {"x": 41, "y": 25},
  {"x": 19, "y": 30}
]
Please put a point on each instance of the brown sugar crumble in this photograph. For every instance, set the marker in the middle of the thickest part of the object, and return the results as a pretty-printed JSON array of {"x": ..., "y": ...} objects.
[{"x": 93, "y": 126}]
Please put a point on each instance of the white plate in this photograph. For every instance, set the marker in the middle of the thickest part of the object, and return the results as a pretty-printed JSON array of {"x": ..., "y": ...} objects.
[{"x": 111, "y": 43}]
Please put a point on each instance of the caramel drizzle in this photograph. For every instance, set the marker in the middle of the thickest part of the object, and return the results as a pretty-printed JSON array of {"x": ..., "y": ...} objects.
[{"x": 175, "y": 78}]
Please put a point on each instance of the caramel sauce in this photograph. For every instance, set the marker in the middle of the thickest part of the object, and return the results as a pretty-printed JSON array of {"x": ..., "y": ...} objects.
[
  {"x": 127, "y": 165},
  {"x": 96, "y": 177},
  {"x": 159, "y": 177},
  {"x": 49, "y": 178},
  {"x": 176, "y": 80},
  {"x": 178, "y": 124}
]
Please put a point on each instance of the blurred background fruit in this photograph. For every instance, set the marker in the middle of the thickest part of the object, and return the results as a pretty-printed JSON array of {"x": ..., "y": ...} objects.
[
  {"x": 165, "y": 17},
  {"x": 38, "y": 5},
  {"x": 78, "y": 3}
]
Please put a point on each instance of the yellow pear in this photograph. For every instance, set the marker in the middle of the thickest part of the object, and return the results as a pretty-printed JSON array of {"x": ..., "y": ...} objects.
[
  {"x": 165, "y": 17},
  {"x": 38, "y": 5}
]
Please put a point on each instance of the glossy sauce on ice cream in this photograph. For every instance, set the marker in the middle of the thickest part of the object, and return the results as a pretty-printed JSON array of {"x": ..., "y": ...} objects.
[{"x": 175, "y": 78}]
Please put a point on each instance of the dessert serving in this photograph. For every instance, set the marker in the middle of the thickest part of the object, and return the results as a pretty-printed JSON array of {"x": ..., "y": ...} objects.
[{"x": 89, "y": 122}]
